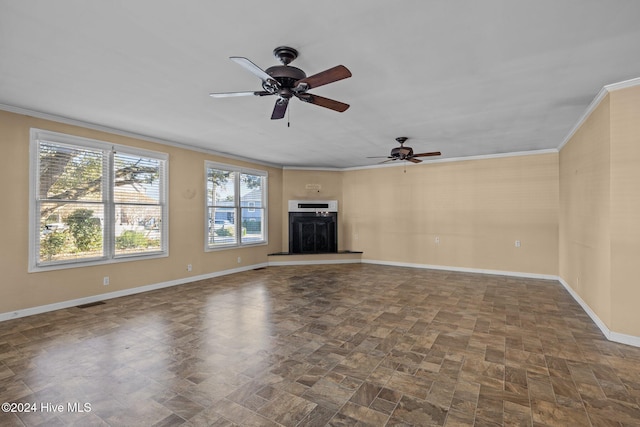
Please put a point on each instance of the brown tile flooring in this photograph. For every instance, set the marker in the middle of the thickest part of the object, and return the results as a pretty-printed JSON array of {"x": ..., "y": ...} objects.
[{"x": 324, "y": 345}]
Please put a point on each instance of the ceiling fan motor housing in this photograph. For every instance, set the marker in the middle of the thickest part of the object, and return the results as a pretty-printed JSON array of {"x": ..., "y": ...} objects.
[
  {"x": 286, "y": 75},
  {"x": 402, "y": 152}
]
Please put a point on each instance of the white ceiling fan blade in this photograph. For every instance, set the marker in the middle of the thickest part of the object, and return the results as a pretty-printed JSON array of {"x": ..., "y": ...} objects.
[
  {"x": 233, "y": 94},
  {"x": 251, "y": 67}
]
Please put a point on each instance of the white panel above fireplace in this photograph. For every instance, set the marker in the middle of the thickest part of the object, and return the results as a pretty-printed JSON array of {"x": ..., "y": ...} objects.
[{"x": 313, "y": 206}]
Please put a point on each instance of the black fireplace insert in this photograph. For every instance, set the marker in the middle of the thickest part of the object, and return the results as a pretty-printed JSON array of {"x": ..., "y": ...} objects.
[{"x": 313, "y": 232}]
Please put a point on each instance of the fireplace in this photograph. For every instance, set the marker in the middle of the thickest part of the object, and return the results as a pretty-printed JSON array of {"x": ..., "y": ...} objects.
[{"x": 313, "y": 226}]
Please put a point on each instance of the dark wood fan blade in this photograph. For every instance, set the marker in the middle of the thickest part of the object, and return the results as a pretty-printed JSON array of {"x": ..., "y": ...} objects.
[
  {"x": 279, "y": 109},
  {"x": 232, "y": 94},
  {"x": 379, "y": 157},
  {"x": 331, "y": 75},
  {"x": 251, "y": 67},
  {"x": 435, "y": 153},
  {"x": 411, "y": 159},
  {"x": 324, "y": 102}
]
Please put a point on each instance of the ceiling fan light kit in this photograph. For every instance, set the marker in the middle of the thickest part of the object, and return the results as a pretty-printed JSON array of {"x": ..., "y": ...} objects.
[{"x": 287, "y": 82}]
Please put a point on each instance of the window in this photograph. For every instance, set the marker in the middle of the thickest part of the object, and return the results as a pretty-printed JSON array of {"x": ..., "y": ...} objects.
[
  {"x": 94, "y": 202},
  {"x": 236, "y": 206}
]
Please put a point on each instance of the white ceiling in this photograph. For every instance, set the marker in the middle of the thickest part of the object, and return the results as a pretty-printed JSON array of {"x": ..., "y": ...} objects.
[{"x": 464, "y": 77}]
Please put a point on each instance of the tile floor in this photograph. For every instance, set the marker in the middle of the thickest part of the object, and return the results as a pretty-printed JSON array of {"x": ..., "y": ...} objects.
[{"x": 348, "y": 344}]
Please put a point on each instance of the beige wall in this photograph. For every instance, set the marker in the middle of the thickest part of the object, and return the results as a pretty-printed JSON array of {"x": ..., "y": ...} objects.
[
  {"x": 477, "y": 209},
  {"x": 20, "y": 290},
  {"x": 584, "y": 212},
  {"x": 625, "y": 210},
  {"x": 599, "y": 211}
]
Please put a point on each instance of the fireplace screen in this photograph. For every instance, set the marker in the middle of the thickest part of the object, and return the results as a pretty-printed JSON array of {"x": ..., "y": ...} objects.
[{"x": 311, "y": 232}]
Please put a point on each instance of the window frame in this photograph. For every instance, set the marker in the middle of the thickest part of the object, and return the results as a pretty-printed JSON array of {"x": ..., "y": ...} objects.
[
  {"x": 109, "y": 255},
  {"x": 237, "y": 200}
]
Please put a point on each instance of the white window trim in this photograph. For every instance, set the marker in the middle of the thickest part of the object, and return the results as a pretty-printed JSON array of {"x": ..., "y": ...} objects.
[
  {"x": 37, "y": 135},
  {"x": 265, "y": 197}
]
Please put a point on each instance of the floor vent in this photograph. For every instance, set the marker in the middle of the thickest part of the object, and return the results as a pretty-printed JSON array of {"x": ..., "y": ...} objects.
[
  {"x": 260, "y": 268},
  {"x": 91, "y": 304}
]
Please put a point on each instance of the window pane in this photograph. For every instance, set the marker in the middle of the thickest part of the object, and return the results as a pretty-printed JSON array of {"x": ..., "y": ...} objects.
[
  {"x": 70, "y": 231},
  {"x": 86, "y": 212},
  {"x": 251, "y": 190},
  {"x": 69, "y": 173},
  {"x": 138, "y": 213},
  {"x": 136, "y": 179},
  {"x": 138, "y": 229},
  {"x": 220, "y": 187},
  {"x": 222, "y": 226},
  {"x": 235, "y": 206},
  {"x": 252, "y": 225}
]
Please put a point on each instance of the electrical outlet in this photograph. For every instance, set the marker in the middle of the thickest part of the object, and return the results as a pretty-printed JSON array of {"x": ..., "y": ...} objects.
[
  {"x": 105, "y": 280},
  {"x": 517, "y": 243},
  {"x": 189, "y": 267},
  {"x": 239, "y": 260},
  {"x": 437, "y": 240}
]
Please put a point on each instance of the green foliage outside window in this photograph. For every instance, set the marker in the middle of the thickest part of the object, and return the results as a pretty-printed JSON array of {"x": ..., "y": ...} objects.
[
  {"x": 225, "y": 232},
  {"x": 252, "y": 227},
  {"x": 52, "y": 244},
  {"x": 131, "y": 239},
  {"x": 85, "y": 229}
]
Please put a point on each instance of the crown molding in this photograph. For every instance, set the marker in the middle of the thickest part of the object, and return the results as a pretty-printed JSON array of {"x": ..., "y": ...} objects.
[
  {"x": 447, "y": 160},
  {"x": 114, "y": 131},
  {"x": 66, "y": 120},
  {"x": 458, "y": 159},
  {"x": 623, "y": 85},
  {"x": 311, "y": 168},
  {"x": 594, "y": 104}
]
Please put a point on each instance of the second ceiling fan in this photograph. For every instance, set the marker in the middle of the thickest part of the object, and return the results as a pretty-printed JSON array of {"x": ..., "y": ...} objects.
[
  {"x": 286, "y": 82},
  {"x": 405, "y": 153}
]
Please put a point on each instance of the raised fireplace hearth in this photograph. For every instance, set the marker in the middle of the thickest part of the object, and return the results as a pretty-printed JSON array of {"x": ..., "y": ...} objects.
[{"x": 313, "y": 226}]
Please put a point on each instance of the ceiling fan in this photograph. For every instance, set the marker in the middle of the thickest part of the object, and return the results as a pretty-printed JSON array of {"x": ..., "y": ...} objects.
[
  {"x": 405, "y": 153},
  {"x": 286, "y": 82}
]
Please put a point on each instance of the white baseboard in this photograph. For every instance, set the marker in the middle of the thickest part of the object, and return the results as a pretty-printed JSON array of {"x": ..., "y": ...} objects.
[
  {"x": 116, "y": 294},
  {"x": 610, "y": 335},
  {"x": 624, "y": 339},
  {"x": 462, "y": 269}
]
